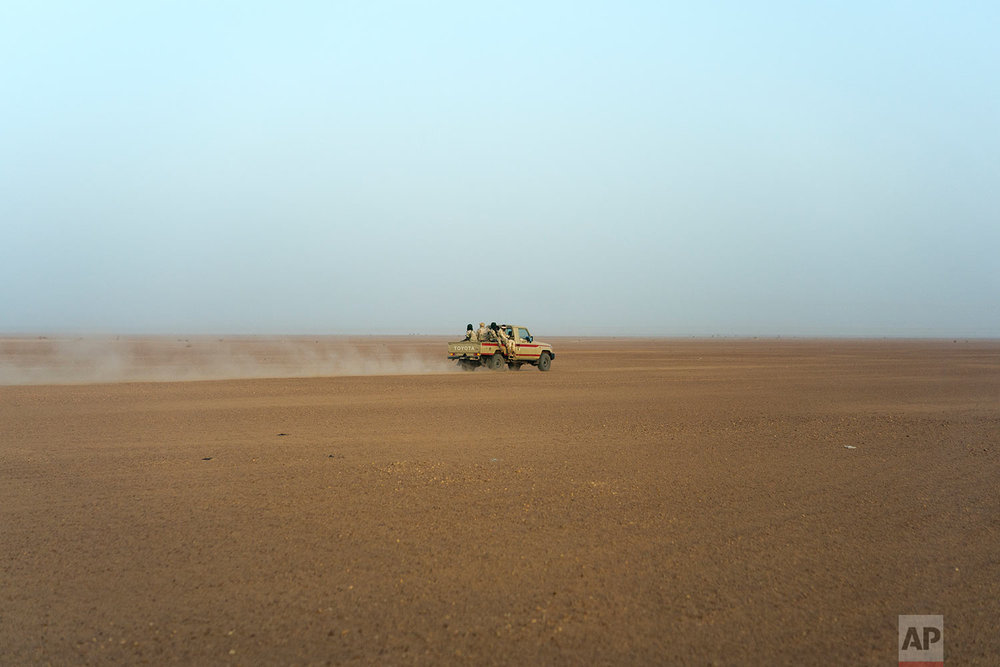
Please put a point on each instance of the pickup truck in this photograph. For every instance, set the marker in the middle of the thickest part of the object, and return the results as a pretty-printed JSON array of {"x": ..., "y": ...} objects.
[{"x": 470, "y": 355}]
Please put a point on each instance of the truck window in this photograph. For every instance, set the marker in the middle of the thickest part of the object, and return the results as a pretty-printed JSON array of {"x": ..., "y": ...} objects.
[{"x": 523, "y": 334}]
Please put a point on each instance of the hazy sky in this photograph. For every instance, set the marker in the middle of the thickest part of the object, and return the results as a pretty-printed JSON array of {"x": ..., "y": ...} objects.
[{"x": 774, "y": 168}]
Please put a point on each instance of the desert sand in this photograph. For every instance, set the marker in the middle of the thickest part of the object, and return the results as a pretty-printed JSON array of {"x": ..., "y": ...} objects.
[{"x": 206, "y": 501}]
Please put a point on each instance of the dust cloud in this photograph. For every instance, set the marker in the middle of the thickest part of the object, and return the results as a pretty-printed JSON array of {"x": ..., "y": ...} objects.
[{"x": 41, "y": 360}]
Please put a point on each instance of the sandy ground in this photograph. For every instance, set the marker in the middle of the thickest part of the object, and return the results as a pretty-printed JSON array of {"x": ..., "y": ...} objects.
[{"x": 668, "y": 501}]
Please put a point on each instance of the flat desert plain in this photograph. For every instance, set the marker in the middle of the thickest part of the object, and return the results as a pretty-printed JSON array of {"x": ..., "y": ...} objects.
[{"x": 644, "y": 502}]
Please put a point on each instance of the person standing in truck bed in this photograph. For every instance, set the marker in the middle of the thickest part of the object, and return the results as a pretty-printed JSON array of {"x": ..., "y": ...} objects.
[
  {"x": 504, "y": 339},
  {"x": 511, "y": 343}
]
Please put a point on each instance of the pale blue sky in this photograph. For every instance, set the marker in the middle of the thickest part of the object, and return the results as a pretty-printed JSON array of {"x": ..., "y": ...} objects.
[{"x": 776, "y": 168}]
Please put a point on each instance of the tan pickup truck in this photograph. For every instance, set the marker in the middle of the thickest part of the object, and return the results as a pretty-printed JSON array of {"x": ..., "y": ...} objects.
[{"x": 470, "y": 355}]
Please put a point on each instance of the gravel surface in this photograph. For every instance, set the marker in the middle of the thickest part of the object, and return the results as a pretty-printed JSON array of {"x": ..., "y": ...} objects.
[{"x": 645, "y": 501}]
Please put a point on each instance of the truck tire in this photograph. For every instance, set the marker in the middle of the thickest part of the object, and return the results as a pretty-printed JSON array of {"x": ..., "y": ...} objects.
[
  {"x": 514, "y": 365},
  {"x": 467, "y": 365},
  {"x": 544, "y": 362},
  {"x": 496, "y": 362}
]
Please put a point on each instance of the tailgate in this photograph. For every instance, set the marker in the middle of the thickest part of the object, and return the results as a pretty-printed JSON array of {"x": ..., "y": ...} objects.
[{"x": 464, "y": 347}]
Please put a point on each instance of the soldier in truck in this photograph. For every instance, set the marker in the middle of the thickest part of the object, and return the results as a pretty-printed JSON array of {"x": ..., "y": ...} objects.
[
  {"x": 504, "y": 338},
  {"x": 511, "y": 343}
]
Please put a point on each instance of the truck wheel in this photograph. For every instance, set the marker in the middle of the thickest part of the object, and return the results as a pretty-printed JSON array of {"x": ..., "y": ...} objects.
[
  {"x": 544, "y": 362},
  {"x": 496, "y": 362},
  {"x": 467, "y": 365},
  {"x": 514, "y": 365}
]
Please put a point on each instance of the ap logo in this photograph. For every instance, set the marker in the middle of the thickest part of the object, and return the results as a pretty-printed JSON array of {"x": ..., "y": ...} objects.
[{"x": 921, "y": 641}]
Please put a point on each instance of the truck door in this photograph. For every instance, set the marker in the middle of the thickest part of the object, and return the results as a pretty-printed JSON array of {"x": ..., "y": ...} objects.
[{"x": 526, "y": 350}]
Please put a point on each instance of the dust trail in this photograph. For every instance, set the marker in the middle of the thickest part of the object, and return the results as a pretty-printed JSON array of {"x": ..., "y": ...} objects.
[{"x": 95, "y": 360}]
